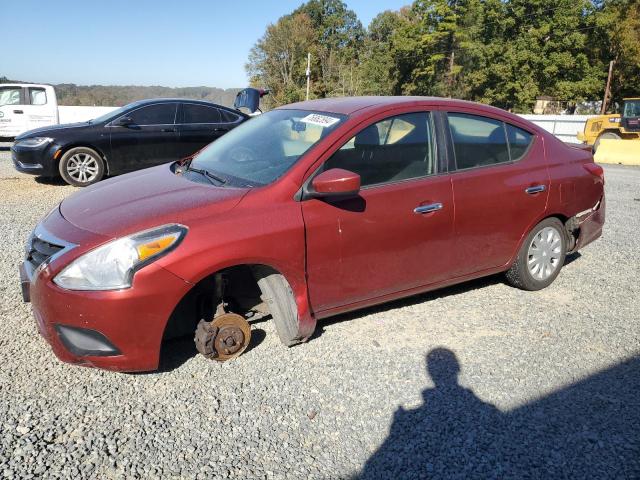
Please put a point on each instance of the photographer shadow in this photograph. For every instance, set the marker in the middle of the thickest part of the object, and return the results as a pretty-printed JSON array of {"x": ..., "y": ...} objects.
[{"x": 589, "y": 429}]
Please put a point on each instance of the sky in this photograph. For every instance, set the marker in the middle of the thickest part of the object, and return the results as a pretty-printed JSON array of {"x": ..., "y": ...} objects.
[{"x": 143, "y": 42}]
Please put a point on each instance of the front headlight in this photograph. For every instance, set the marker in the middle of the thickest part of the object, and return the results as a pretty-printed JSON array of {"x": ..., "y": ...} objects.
[
  {"x": 35, "y": 142},
  {"x": 111, "y": 266}
]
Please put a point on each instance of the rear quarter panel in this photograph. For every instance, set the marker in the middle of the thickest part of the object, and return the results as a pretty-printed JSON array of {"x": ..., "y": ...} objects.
[{"x": 573, "y": 188}]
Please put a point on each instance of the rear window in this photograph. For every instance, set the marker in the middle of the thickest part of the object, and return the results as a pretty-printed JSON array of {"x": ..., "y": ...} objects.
[
  {"x": 37, "y": 96},
  {"x": 480, "y": 141},
  {"x": 519, "y": 141},
  {"x": 477, "y": 141},
  {"x": 194, "y": 113}
]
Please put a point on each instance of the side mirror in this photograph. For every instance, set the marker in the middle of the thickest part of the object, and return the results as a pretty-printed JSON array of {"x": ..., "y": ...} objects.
[
  {"x": 335, "y": 182},
  {"x": 123, "y": 121}
]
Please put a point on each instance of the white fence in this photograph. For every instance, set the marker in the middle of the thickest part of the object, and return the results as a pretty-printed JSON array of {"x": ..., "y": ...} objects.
[
  {"x": 565, "y": 127},
  {"x": 81, "y": 114}
]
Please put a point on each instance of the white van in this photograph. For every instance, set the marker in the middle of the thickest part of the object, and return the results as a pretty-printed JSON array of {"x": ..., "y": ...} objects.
[{"x": 26, "y": 106}]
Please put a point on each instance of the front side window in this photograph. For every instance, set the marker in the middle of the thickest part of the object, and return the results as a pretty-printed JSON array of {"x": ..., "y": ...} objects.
[
  {"x": 260, "y": 150},
  {"x": 37, "y": 96},
  {"x": 477, "y": 141},
  {"x": 158, "y": 114},
  {"x": 229, "y": 117},
  {"x": 10, "y": 95},
  {"x": 194, "y": 113},
  {"x": 395, "y": 149}
]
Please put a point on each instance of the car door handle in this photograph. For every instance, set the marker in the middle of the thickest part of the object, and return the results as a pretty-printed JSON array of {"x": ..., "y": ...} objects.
[
  {"x": 18, "y": 111},
  {"x": 220, "y": 129},
  {"x": 535, "y": 189},
  {"x": 432, "y": 207},
  {"x": 168, "y": 130}
]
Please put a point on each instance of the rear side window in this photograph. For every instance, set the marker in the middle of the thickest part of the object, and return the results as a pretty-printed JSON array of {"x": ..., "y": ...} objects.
[
  {"x": 194, "y": 113},
  {"x": 477, "y": 141},
  {"x": 10, "y": 95},
  {"x": 159, "y": 114},
  {"x": 397, "y": 148},
  {"x": 519, "y": 141},
  {"x": 37, "y": 96},
  {"x": 229, "y": 117}
]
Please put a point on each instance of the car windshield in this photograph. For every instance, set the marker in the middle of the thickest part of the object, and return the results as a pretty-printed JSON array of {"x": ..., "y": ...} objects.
[
  {"x": 263, "y": 148},
  {"x": 112, "y": 114}
]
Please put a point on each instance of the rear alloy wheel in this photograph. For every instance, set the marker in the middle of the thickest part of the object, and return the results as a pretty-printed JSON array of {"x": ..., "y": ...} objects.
[
  {"x": 81, "y": 166},
  {"x": 541, "y": 256}
]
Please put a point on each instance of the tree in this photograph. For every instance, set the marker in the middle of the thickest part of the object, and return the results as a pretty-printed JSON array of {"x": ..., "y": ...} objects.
[
  {"x": 616, "y": 36},
  {"x": 338, "y": 39},
  {"x": 377, "y": 72},
  {"x": 278, "y": 59}
]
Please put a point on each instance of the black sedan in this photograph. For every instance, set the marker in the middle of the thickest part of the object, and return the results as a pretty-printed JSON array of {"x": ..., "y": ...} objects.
[{"x": 139, "y": 135}]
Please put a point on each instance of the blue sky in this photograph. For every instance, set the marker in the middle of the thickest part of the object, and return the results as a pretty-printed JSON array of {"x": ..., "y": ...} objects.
[{"x": 142, "y": 42}]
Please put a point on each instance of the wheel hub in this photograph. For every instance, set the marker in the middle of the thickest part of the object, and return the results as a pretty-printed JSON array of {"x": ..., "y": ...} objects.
[{"x": 224, "y": 338}]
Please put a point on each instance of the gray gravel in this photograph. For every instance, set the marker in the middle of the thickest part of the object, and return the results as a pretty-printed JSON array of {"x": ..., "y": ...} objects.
[{"x": 548, "y": 383}]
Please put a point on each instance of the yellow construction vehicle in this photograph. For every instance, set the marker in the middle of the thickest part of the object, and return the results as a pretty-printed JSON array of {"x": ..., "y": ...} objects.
[
  {"x": 615, "y": 126},
  {"x": 615, "y": 138}
]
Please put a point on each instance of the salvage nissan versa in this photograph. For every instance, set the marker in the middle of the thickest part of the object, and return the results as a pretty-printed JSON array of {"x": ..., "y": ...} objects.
[{"x": 305, "y": 212}]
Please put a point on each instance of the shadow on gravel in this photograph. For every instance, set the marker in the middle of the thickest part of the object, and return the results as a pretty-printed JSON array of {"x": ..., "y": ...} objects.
[
  {"x": 177, "y": 351},
  {"x": 422, "y": 297},
  {"x": 590, "y": 429},
  {"x": 56, "y": 181}
]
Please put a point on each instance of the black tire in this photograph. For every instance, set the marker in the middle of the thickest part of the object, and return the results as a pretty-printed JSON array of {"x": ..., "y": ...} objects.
[
  {"x": 611, "y": 135},
  {"x": 519, "y": 274},
  {"x": 92, "y": 172}
]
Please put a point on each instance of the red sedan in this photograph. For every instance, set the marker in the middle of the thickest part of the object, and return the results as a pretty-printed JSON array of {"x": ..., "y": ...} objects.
[{"x": 305, "y": 212}]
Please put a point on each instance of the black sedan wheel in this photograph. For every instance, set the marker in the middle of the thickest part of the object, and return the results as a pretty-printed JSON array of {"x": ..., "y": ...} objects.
[{"x": 81, "y": 166}]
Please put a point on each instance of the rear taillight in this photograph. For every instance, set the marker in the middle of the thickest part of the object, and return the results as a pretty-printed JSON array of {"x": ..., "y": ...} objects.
[{"x": 595, "y": 170}]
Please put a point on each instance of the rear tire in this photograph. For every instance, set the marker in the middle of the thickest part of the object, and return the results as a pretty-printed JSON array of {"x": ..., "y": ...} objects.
[
  {"x": 609, "y": 135},
  {"x": 81, "y": 167},
  {"x": 541, "y": 256}
]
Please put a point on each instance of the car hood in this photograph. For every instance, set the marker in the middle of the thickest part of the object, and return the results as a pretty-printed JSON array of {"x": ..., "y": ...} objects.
[
  {"x": 43, "y": 131},
  {"x": 146, "y": 199}
]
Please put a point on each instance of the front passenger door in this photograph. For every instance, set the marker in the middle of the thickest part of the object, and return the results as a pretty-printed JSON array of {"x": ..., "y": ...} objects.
[
  {"x": 151, "y": 139},
  {"x": 396, "y": 235}
]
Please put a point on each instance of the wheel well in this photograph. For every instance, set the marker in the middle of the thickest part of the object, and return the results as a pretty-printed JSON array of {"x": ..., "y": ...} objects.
[
  {"x": 237, "y": 286},
  {"x": 571, "y": 230},
  {"x": 66, "y": 148}
]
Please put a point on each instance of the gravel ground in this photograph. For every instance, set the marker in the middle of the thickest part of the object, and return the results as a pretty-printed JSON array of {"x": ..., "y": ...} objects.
[{"x": 479, "y": 380}]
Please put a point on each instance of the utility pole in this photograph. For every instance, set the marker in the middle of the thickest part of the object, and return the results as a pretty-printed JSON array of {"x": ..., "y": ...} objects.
[
  {"x": 607, "y": 90},
  {"x": 308, "y": 73}
]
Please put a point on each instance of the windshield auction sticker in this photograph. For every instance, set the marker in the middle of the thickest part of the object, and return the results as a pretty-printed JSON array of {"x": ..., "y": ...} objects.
[{"x": 321, "y": 120}]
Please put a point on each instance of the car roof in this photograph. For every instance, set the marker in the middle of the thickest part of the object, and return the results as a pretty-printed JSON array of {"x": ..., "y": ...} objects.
[
  {"x": 350, "y": 105},
  {"x": 149, "y": 101}
]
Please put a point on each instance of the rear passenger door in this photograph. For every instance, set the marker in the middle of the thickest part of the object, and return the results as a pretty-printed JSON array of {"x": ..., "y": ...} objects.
[
  {"x": 500, "y": 186},
  {"x": 198, "y": 126}
]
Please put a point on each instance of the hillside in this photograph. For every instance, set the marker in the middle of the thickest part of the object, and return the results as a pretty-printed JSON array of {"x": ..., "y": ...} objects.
[{"x": 117, "y": 95}]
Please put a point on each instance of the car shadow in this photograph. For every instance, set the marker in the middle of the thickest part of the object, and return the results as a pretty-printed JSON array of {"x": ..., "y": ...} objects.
[
  {"x": 445, "y": 292},
  {"x": 589, "y": 429},
  {"x": 176, "y": 352},
  {"x": 55, "y": 181}
]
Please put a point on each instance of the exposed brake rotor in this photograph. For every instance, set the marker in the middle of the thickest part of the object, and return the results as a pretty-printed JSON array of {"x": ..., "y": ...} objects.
[{"x": 224, "y": 338}]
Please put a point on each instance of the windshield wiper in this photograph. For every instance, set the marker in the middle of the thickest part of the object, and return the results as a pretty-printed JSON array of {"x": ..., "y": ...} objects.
[{"x": 207, "y": 174}]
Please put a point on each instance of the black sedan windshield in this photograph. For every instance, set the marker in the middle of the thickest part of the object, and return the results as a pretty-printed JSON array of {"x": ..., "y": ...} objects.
[{"x": 265, "y": 147}]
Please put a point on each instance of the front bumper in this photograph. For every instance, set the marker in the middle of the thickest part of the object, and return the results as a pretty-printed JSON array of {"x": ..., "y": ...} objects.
[
  {"x": 36, "y": 161},
  {"x": 116, "y": 330}
]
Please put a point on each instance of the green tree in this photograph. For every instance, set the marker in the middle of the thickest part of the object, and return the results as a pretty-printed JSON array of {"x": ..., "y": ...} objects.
[{"x": 278, "y": 59}]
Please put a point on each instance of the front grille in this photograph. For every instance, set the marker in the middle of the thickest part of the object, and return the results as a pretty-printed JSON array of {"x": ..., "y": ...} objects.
[{"x": 39, "y": 251}]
